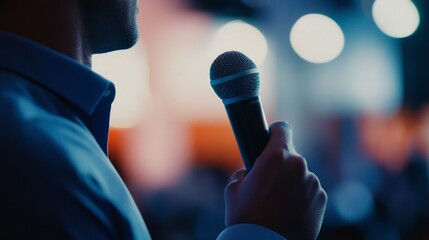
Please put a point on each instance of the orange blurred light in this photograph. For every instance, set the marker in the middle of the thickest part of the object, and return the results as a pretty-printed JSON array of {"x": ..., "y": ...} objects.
[
  {"x": 388, "y": 140},
  {"x": 422, "y": 132},
  {"x": 214, "y": 145}
]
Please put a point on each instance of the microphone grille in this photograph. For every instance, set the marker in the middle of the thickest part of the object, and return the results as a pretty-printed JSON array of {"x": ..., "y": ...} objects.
[
  {"x": 229, "y": 63},
  {"x": 234, "y": 75}
]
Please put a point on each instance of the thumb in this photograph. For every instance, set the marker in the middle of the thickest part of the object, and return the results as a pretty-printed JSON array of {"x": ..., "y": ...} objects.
[
  {"x": 278, "y": 147},
  {"x": 281, "y": 137}
]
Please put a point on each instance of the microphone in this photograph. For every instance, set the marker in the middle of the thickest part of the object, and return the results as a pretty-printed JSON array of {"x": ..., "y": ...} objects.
[{"x": 235, "y": 79}]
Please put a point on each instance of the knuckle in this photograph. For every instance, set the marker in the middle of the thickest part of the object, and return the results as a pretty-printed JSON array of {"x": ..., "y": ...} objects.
[
  {"x": 313, "y": 179},
  {"x": 277, "y": 154},
  {"x": 315, "y": 185},
  {"x": 319, "y": 193},
  {"x": 323, "y": 197},
  {"x": 297, "y": 163}
]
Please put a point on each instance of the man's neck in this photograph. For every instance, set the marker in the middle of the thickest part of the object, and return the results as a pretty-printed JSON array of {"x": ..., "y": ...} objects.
[{"x": 52, "y": 23}]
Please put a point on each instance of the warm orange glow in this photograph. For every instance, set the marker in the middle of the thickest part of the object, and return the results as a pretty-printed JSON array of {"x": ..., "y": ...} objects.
[
  {"x": 422, "y": 132},
  {"x": 215, "y": 145},
  {"x": 117, "y": 139},
  {"x": 387, "y": 139}
]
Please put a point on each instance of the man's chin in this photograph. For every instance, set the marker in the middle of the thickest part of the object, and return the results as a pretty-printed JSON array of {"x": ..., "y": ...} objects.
[{"x": 126, "y": 41}]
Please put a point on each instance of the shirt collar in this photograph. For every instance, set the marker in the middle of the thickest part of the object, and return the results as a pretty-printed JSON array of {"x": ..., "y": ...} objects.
[{"x": 57, "y": 72}]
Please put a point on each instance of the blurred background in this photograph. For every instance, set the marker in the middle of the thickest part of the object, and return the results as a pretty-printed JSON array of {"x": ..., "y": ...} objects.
[{"x": 349, "y": 75}]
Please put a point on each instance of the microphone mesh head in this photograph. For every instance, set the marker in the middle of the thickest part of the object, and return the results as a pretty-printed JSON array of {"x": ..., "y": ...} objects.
[{"x": 229, "y": 64}]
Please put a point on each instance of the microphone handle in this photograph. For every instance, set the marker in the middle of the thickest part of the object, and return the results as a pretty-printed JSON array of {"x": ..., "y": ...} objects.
[{"x": 248, "y": 122}]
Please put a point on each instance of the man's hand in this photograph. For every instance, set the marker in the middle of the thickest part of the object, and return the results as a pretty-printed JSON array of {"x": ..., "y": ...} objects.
[{"x": 279, "y": 192}]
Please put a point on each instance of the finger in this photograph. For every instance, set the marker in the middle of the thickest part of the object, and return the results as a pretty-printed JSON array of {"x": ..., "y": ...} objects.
[
  {"x": 296, "y": 165},
  {"x": 235, "y": 180},
  {"x": 312, "y": 184},
  {"x": 281, "y": 137},
  {"x": 278, "y": 148},
  {"x": 238, "y": 176}
]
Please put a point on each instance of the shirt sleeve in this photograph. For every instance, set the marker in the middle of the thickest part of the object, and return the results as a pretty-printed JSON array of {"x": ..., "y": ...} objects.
[
  {"x": 58, "y": 184},
  {"x": 249, "y": 232}
]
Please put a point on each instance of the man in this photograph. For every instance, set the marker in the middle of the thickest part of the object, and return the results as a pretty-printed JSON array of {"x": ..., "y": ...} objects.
[{"x": 56, "y": 179}]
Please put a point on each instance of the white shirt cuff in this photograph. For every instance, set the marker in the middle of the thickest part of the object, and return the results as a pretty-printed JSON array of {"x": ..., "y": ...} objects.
[{"x": 249, "y": 232}]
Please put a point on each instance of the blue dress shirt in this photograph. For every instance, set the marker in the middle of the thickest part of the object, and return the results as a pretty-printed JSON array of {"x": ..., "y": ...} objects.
[{"x": 56, "y": 180}]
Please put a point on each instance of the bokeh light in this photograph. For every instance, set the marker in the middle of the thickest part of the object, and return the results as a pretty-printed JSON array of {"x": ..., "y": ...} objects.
[
  {"x": 240, "y": 36},
  {"x": 317, "y": 38},
  {"x": 353, "y": 201},
  {"x": 128, "y": 70},
  {"x": 368, "y": 78},
  {"x": 396, "y": 18}
]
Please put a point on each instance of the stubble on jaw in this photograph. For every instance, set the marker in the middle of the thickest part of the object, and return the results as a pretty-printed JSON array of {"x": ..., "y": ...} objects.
[{"x": 110, "y": 24}]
